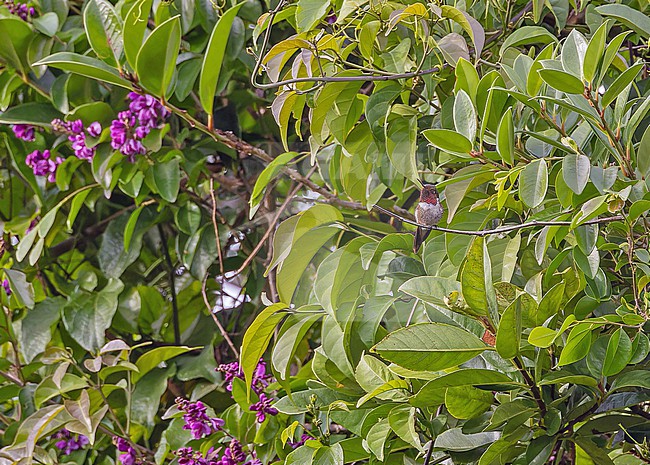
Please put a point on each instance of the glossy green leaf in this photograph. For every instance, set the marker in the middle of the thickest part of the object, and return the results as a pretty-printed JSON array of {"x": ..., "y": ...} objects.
[
  {"x": 620, "y": 84},
  {"x": 151, "y": 359},
  {"x": 104, "y": 30},
  {"x": 465, "y": 402},
  {"x": 17, "y": 35},
  {"x": 509, "y": 331},
  {"x": 576, "y": 169},
  {"x": 257, "y": 338},
  {"x": 455, "y": 440},
  {"x": 156, "y": 60},
  {"x": 135, "y": 26},
  {"x": 594, "y": 53},
  {"x": 448, "y": 141},
  {"x": 213, "y": 57},
  {"x": 533, "y": 183},
  {"x": 167, "y": 177},
  {"x": 464, "y": 115},
  {"x": 562, "y": 81},
  {"x": 85, "y": 66},
  {"x": 429, "y": 346},
  {"x": 577, "y": 345},
  {"x": 527, "y": 35},
  {"x": 627, "y": 15},
  {"x": 506, "y": 138}
]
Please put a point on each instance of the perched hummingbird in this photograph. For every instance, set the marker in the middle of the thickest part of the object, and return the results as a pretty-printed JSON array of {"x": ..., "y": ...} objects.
[{"x": 428, "y": 212}]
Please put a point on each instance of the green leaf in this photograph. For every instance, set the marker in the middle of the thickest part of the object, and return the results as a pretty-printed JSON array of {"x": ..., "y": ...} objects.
[
  {"x": 618, "y": 354},
  {"x": 401, "y": 146},
  {"x": 167, "y": 177},
  {"x": 509, "y": 331},
  {"x": 464, "y": 115},
  {"x": 36, "y": 327},
  {"x": 377, "y": 436},
  {"x": 257, "y": 338},
  {"x": 527, "y": 35},
  {"x": 506, "y": 138},
  {"x": 388, "y": 386},
  {"x": 575, "y": 170},
  {"x": 75, "y": 205},
  {"x": 634, "y": 19},
  {"x": 16, "y": 37},
  {"x": 328, "y": 455},
  {"x": 23, "y": 291},
  {"x": 470, "y": 25},
  {"x": 282, "y": 108},
  {"x": 402, "y": 421},
  {"x": 266, "y": 176},
  {"x": 104, "y": 30},
  {"x": 476, "y": 280},
  {"x": 151, "y": 359},
  {"x": 541, "y": 336},
  {"x": 146, "y": 396},
  {"x": 643, "y": 160},
  {"x": 87, "y": 316},
  {"x": 620, "y": 84},
  {"x": 465, "y": 402},
  {"x": 129, "y": 229},
  {"x": 429, "y": 347},
  {"x": 533, "y": 183},
  {"x": 135, "y": 26},
  {"x": 455, "y": 440},
  {"x": 309, "y": 13},
  {"x": 594, "y": 52},
  {"x": 562, "y": 81},
  {"x": 38, "y": 114},
  {"x": 213, "y": 58},
  {"x": 573, "y": 53},
  {"x": 448, "y": 141},
  {"x": 431, "y": 289},
  {"x": 577, "y": 345},
  {"x": 636, "y": 378},
  {"x": 291, "y": 336},
  {"x": 157, "y": 58},
  {"x": 85, "y": 66},
  {"x": 466, "y": 78},
  {"x": 48, "y": 24}
]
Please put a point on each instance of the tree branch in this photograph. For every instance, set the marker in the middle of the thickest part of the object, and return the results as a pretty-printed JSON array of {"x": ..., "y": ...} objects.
[{"x": 503, "y": 229}]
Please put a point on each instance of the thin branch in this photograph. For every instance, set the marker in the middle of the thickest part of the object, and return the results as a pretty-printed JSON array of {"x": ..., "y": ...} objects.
[
  {"x": 537, "y": 395},
  {"x": 172, "y": 282},
  {"x": 215, "y": 225},
  {"x": 222, "y": 330},
  {"x": 271, "y": 227},
  {"x": 503, "y": 229}
]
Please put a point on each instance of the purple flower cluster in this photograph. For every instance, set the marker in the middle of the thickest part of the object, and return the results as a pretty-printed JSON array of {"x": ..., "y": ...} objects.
[
  {"x": 300, "y": 442},
  {"x": 232, "y": 370},
  {"x": 128, "y": 457},
  {"x": 263, "y": 408},
  {"x": 260, "y": 381},
  {"x": 76, "y": 135},
  {"x": 25, "y": 132},
  {"x": 134, "y": 124},
  {"x": 196, "y": 418},
  {"x": 232, "y": 455},
  {"x": 20, "y": 9},
  {"x": 68, "y": 442},
  {"x": 6, "y": 287},
  {"x": 42, "y": 164}
]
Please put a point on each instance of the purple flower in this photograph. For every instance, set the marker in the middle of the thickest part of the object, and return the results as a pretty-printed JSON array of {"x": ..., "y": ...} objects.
[
  {"x": 263, "y": 408},
  {"x": 95, "y": 129},
  {"x": 6, "y": 287},
  {"x": 24, "y": 132},
  {"x": 134, "y": 124},
  {"x": 19, "y": 9},
  {"x": 68, "y": 442},
  {"x": 303, "y": 438},
  {"x": 76, "y": 135},
  {"x": 196, "y": 418},
  {"x": 42, "y": 164},
  {"x": 128, "y": 457},
  {"x": 232, "y": 370}
]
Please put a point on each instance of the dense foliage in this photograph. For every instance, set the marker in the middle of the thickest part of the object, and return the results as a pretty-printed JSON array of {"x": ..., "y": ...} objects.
[{"x": 206, "y": 226}]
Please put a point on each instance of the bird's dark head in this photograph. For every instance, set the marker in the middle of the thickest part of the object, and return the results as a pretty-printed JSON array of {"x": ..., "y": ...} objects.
[{"x": 429, "y": 194}]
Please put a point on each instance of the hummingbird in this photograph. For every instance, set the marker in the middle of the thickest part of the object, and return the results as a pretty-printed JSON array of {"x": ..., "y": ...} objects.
[{"x": 428, "y": 212}]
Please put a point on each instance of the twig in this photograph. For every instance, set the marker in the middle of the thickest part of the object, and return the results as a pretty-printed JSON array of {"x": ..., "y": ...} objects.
[
  {"x": 172, "y": 282},
  {"x": 215, "y": 225},
  {"x": 222, "y": 330},
  {"x": 271, "y": 227},
  {"x": 504, "y": 229},
  {"x": 323, "y": 79},
  {"x": 533, "y": 386}
]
